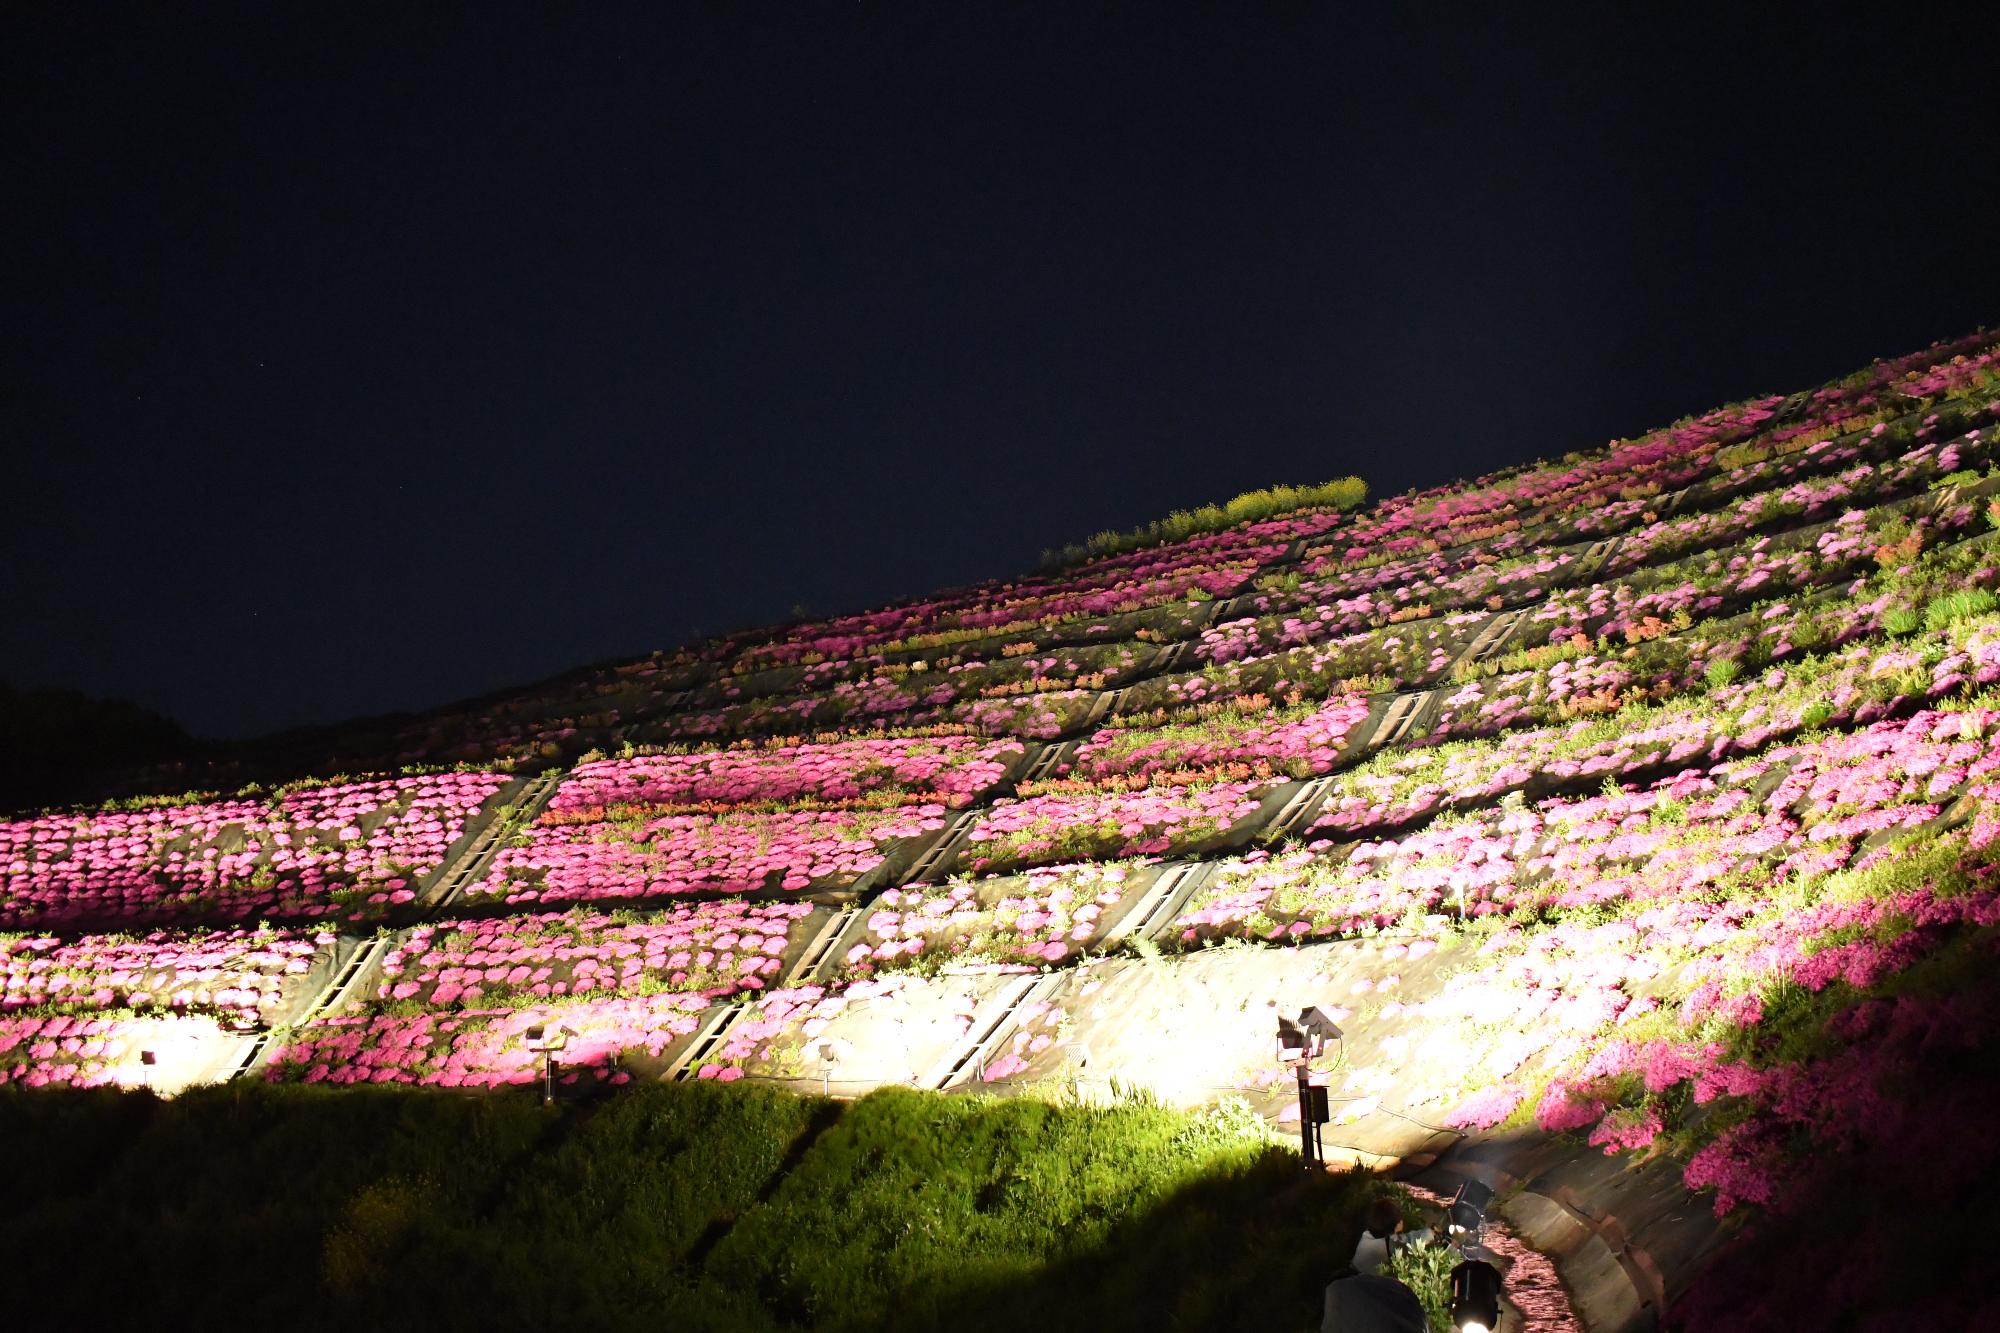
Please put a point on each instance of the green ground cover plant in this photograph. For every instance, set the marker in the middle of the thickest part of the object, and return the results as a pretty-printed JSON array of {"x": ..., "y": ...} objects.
[{"x": 691, "y": 1206}]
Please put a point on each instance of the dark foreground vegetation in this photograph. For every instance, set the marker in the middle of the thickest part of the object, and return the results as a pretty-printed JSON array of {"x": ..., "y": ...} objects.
[{"x": 681, "y": 1206}]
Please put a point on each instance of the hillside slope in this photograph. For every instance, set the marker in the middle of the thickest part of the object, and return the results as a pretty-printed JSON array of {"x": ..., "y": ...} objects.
[{"x": 1632, "y": 813}]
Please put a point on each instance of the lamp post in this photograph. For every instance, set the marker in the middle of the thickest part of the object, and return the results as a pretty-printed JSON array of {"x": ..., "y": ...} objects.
[
  {"x": 547, "y": 1042},
  {"x": 1299, "y": 1044}
]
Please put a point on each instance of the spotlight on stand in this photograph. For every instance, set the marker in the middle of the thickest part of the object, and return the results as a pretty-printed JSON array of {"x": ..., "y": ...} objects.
[
  {"x": 1466, "y": 1213},
  {"x": 831, "y": 1051},
  {"x": 1475, "y": 1297},
  {"x": 1299, "y": 1044},
  {"x": 547, "y": 1042}
]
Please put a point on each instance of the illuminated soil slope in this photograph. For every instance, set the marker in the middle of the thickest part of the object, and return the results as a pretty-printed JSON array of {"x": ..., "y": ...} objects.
[{"x": 1631, "y": 812}]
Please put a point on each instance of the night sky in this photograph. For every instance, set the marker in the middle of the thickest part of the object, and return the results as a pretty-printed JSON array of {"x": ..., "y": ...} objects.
[{"x": 362, "y": 365}]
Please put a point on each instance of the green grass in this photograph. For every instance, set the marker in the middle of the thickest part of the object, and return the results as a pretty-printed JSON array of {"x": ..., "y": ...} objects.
[
  {"x": 691, "y": 1206},
  {"x": 1249, "y": 507}
]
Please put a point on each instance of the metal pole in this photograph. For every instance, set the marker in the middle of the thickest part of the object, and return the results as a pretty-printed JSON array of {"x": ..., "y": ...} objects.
[
  {"x": 1306, "y": 1118},
  {"x": 548, "y": 1078}
]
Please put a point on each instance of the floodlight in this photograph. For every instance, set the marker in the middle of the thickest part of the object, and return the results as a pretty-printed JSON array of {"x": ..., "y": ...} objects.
[
  {"x": 1475, "y": 1297},
  {"x": 1467, "y": 1211},
  {"x": 540, "y": 1038},
  {"x": 547, "y": 1042},
  {"x": 1319, "y": 1027},
  {"x": 831, "y": 1051},
  {"x": 1293, "y": 1044}
]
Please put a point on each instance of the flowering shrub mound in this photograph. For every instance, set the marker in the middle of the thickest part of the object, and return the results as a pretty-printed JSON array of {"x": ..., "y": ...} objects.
[
  {"x": 1070, "y": 826},
  {"x": 1790, "y": 810},
  {"x": 355, "y": 849},
  {"x": 242, "y": 974},
  {"x": 644, "y": 857},
  {"x": 1297, "y": 741},
  {"x": 1047, "y": 915},
  {"x": 710, "y": 948},
  {"x": 485, "y": 1048},
  {"x": 951, "y": 769},
  {"x": 92, "y": 1051},
  {"x": 1164, "y": 577},
  {"x": 1856, "y": 684}
]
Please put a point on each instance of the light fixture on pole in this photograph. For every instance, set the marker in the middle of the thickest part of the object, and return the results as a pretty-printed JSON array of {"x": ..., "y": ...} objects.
[
  {"x": 832, "y": 1050},
  {"x": 1299, "y": 1044},
  {"x": 547, "y": 1042}
]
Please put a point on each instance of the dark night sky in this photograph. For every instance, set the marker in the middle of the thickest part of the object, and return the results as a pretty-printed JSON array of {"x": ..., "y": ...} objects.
[{"x": 364, "y": 366}]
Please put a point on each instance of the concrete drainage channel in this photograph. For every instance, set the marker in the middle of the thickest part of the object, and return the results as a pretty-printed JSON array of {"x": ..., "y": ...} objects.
[{"x": 1626, "y": 1240}]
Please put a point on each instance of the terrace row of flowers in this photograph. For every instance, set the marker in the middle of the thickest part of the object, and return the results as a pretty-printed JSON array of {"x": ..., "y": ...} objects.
[
  {"x": 651, "y": 857},
  {"x": 953, "y": 770},
  {"x": 1167, "y": 579},
  {"x": 241, "y": 975},
  {"x": 1866, "y": 479},
  {"x": 1249, "y": 737},
  {"x": 1295, "y": 610},
  {"x": 1723, "y": 583},
  {"x": 94, "y": 1051},
  {"x": 486, "y": 1047},
  {"x": 648, "y": 856},
  {"x": 1873, "y": 428},
  {"x": 606, "y": 1038},
  {"x": 973, "y": 670},
  {"x": 714, "y": 948},
  {"x": 1585, "y": 491},
  {"x": 1046, "y": 916},
  {"x": 1402, "y": 654},
  {"x": 354, "y": 848},
  {"x": 1084, "y": 823},
  {"x": 1793, "y": 809},
  {"x": 1561, "y": 682},
  {"x": 1859, "y": 683},
  {"x": 1715, "y": 583}
]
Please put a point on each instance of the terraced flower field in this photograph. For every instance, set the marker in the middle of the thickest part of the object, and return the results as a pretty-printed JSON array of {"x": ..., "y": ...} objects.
[{"x": 1643, "y": 803}]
